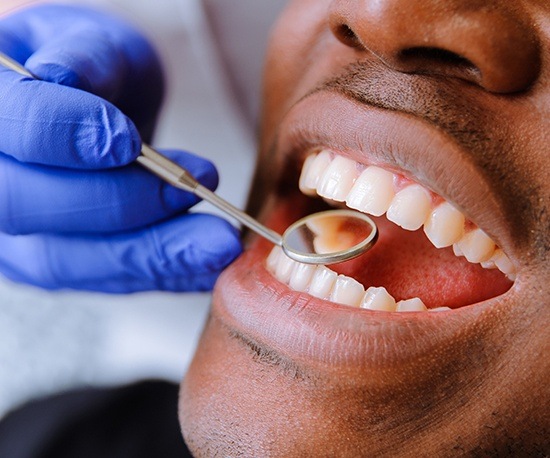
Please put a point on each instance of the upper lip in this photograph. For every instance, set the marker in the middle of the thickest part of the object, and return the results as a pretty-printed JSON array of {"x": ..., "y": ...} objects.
[{"x": 399, "y": 142}]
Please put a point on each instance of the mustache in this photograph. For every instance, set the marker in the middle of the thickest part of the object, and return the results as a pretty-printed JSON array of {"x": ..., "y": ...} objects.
[{"x": 439, "y": 101}]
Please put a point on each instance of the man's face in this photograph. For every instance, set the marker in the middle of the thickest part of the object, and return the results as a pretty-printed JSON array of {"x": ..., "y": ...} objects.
[{"x": 434, "y": 116}]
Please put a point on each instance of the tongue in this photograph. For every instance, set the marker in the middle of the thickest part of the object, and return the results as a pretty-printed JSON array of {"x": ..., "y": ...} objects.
[{"x": 408, "y": 266}]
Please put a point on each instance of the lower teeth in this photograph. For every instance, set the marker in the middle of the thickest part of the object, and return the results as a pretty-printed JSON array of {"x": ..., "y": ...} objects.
[{"x": 323, "y": 283}]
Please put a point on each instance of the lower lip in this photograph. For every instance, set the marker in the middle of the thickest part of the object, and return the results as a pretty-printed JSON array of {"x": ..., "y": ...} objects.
[{"x": 300, "y": 328}]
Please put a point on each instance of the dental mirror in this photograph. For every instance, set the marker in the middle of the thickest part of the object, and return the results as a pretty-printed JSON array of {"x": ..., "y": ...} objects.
[
  {"x": 321, "y": 238},
  {"x": 329, "y": 237}
]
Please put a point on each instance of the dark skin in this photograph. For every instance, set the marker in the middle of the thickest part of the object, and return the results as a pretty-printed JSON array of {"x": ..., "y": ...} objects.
[{"x": 454, "y": 95}]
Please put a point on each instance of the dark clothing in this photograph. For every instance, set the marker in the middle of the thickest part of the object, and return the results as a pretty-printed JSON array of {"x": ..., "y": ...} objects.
[{"x": 136, "y": 421}]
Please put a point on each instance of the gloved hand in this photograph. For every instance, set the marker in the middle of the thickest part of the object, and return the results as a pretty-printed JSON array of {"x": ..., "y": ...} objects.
[{"x": 74, "y": 210}]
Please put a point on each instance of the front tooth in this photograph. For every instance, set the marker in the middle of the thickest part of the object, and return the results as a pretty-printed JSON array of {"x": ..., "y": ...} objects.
[
  {"x": 410, "y": 207},
  {"x": 301, "y": 276},
  {"x": 378, "y": 299},
  {"x": 444, "y": 226},
  {"x": 372, "y": 192},
  {"x": 322, "y": 282},
  {"x": 440, "y": 309},
  {"x": 338, "y": 179},
  {"x": 307, "y": 177},
  {"x": 284, "y": 268},
  {"x": 314, "y": 167},
  {"x": 347, "y": 291},
  {"x": 476, "y": 246},
  {"x": 411, "y": 305}
]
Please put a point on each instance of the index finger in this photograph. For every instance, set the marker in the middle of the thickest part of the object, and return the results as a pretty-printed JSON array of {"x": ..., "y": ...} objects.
[{"x": 51, "y": 124}]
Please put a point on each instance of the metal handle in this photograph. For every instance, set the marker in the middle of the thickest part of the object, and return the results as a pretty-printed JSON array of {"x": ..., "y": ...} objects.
[
  {"x": 164, "y": 168},
  {"x": 8, "y": 62},
  {"x": 182, "y": 179}
]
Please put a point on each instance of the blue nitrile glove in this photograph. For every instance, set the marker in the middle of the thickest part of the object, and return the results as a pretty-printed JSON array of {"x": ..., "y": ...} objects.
[{"x": 73, "y": 213}]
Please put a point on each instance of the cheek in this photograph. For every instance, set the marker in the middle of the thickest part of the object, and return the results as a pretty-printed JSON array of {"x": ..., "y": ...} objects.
[
  {"x": 291, "y": 59},
  {"x": 280, "y": 77}
]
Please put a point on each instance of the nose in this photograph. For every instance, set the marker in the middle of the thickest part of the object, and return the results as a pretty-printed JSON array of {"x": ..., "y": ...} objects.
[{"x": 489, "y": 43}]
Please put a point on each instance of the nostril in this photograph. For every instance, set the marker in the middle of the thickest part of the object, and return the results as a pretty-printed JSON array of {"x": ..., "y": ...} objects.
[
  {"x": 346, "y": 35},
  {"x": 438, "y": 60},
  {"x": 437, "y": 55}
]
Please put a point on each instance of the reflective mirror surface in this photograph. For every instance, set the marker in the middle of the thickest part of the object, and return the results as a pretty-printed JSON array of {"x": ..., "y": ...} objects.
[{"x": 330, "y": 237}]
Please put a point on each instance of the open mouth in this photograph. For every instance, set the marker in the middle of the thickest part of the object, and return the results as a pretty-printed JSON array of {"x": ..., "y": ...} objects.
[
  {"x": 429, "y": 256},
  {"x": 330, "y": 151}
]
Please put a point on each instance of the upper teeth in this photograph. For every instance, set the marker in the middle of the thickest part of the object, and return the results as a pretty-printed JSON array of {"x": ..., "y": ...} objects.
[{"x": 377, "y": 191}]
